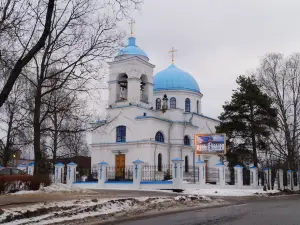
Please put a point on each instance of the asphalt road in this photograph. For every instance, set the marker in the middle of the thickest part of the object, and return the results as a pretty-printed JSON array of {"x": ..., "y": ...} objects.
[{"x": 279, "y": 211}]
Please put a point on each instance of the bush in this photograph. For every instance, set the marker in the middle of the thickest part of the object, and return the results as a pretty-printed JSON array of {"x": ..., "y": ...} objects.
[
  {"x": 167, "y": 176},
  {"x": 38, "y": 180}
]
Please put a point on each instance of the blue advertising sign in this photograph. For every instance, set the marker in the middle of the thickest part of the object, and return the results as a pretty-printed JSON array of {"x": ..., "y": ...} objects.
[{"x": 210, "y": 144}]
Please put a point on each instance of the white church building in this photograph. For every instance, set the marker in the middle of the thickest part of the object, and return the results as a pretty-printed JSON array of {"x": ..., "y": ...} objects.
[{"x": 150, "y": 117}]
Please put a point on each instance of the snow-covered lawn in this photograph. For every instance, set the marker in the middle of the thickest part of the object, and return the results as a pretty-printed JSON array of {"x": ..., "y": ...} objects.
[
  {"x": 228, "y": 192},
  {"x": 54, "y": 188},
  {"x": 57, "y": 212}
]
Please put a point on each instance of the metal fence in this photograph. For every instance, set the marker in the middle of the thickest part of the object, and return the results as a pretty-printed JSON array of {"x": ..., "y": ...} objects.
[
  {"x": 191, "y": 174},
  {"x": 119, "y": 173},
  {"x": 157, "y": 173}
]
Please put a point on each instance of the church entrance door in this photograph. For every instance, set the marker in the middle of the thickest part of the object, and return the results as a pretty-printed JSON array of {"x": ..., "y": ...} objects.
[{"x": 120, "y": 166}]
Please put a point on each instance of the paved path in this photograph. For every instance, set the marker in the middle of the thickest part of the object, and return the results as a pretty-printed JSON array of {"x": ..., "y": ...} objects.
[
  {"x": 275, "y": 211},
  {"x": 13, "y": 200}
]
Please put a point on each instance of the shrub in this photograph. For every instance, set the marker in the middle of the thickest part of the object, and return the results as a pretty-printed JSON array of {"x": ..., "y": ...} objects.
[{"x": 38, "y": 180}]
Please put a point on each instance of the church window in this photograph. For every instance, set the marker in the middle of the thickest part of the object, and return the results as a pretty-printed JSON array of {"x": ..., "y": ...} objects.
[
  {"x": 186, "y": 164},
  {"x": 159, "y": 162},
  {"x": 187, "y": 105},
  {"x": 173, "y": 103},
  {"x": 198, "y": 106},
  {"x": 187, "y": 140},
  {"x": 123, "y": 87},
  {"x": 159, "y": 137},
  {"x": 158, "y": 104},
  {"x": 121, "y": 134}
]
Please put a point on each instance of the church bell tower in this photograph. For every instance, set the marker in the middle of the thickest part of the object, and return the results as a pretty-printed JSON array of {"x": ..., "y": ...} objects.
[{"x": 130, "y": 76}]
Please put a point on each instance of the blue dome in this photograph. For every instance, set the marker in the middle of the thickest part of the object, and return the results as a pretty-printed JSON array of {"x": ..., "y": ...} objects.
[
  {"x": 132, "y": 49},
  {"x": 174, "y": 78}
]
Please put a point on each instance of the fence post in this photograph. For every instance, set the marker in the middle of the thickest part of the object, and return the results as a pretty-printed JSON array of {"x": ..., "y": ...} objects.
[
  {"x": 177, "y": 172},
  {"x": 102, "y": 175},
  {"x": 221, "y": 173},
  {"x": 137, "y": 173},
  {"x": 71, "y": 173},
  {"x": 238, "y": 175},
  {"x": 280, "y": 179},
  {"x": 30, "y": 168},
  {"x": 202, "y": 173},
  {"x": 290, "y": 179},
  {"x": 253, "y": 176},
  {"x": 59, "y": 170}
]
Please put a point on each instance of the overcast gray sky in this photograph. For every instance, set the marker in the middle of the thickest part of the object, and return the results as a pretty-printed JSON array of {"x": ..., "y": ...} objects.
[{"x": 217, "y": 40}]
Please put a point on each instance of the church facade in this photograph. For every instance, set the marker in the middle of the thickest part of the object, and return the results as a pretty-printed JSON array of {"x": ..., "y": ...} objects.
[{"x": 150, "y": 118}]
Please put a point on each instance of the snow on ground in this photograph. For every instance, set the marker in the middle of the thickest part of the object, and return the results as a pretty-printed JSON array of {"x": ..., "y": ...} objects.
[
  {"x": 228, "y": 192},
  {"x": 57, "y": 212},
  {"x": 54, "y": 188}
]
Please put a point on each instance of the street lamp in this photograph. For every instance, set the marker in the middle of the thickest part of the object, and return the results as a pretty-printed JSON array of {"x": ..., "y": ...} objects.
[{"x": 165, "y": 103}]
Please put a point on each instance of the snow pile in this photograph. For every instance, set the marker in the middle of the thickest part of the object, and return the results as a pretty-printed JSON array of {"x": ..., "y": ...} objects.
[
  {"x": 228, "y": 192},
  {"x": 100, "y": 210},
  {"x": 58, "y": 187},
  {"x": 54, "y": 188}
]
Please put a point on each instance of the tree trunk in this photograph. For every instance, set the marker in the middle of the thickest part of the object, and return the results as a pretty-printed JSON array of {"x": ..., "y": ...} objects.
[
  {"x": 254, "y": 147},
  {"x": 7, "y": 150},
  {"x": 38, "y": 158},
  {"x": 55, "y": 138}
]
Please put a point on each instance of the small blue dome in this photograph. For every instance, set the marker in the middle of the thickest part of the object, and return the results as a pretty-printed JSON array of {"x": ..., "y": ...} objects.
[
  {"x": 174, "y": 78},
  {"x": 132, "y": 49}
]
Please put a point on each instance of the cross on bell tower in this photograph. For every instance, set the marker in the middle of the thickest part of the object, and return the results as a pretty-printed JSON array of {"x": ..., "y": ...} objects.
[{"x": 132, "y": 22}]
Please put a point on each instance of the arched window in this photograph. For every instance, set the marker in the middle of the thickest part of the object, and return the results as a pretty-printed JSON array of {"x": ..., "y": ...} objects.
[
  {"x": 159, "y": 162},
  {"x": 187, "y": 105},
  {"x": 186, "y": 164},
  {"x": 159, "y": 137},
  {"x": 158, "y": 104},
  {"x": 121, "y": 134},
  {"x": 198, "y": 106},
  {"x": 172, "y": 103},
  {"x": 187, "y": 140}
]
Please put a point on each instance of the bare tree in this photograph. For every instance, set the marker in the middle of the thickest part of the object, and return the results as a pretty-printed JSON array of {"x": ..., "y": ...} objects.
[
  {"x": 16, "y": 19},
  {"x": 280, "y": 78},
  {"x": 83, "y": 35},
  {"x": 13, "y": 122}
]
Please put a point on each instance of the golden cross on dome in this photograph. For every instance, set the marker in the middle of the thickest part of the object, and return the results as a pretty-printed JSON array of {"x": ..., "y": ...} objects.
[
  {"x": 131, "y": 27},
  {"x": 172, "y": 54}
]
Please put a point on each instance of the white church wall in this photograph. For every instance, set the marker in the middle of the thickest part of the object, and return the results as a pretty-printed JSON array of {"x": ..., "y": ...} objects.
[
  {"x": 180, "y": 99},
  {"x": 147, "y": 152}
]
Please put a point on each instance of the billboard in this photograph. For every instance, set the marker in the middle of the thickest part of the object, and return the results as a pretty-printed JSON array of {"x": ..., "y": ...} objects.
[{"x": 210, "y": 144}]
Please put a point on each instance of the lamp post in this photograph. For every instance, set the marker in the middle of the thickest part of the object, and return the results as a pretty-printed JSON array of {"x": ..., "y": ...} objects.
[{"x": 165, "y": 103}]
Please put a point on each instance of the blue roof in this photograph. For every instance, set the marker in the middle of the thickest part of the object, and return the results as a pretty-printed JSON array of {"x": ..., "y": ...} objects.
[
  {"x": 177, "y": 159},
  {"x": 59, "y": 164},
  {"x": 103, "y": 163},
  {"x": 238, "y": 166},
  {"x": 174, "y": 78},
  {"x": 22, "y": 165},
  {"x": 220, "y": 164},
  {"x": 138, "y": 161},
  {"x": 72, "y": 164},
  {"x": 132, "y": 49},
  {"x": 31, "y": 164},
  {"x": 200, "y": 162}
]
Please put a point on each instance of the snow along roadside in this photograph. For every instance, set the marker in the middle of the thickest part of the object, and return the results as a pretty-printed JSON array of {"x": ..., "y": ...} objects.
[{"x": 81, "y": 211}]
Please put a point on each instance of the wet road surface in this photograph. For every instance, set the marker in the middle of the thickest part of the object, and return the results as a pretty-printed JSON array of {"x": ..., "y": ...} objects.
[{"x": 275, "y": 211}]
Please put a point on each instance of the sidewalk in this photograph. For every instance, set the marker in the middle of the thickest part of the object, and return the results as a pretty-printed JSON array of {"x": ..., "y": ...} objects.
[{"x": 11, "y": 200}]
